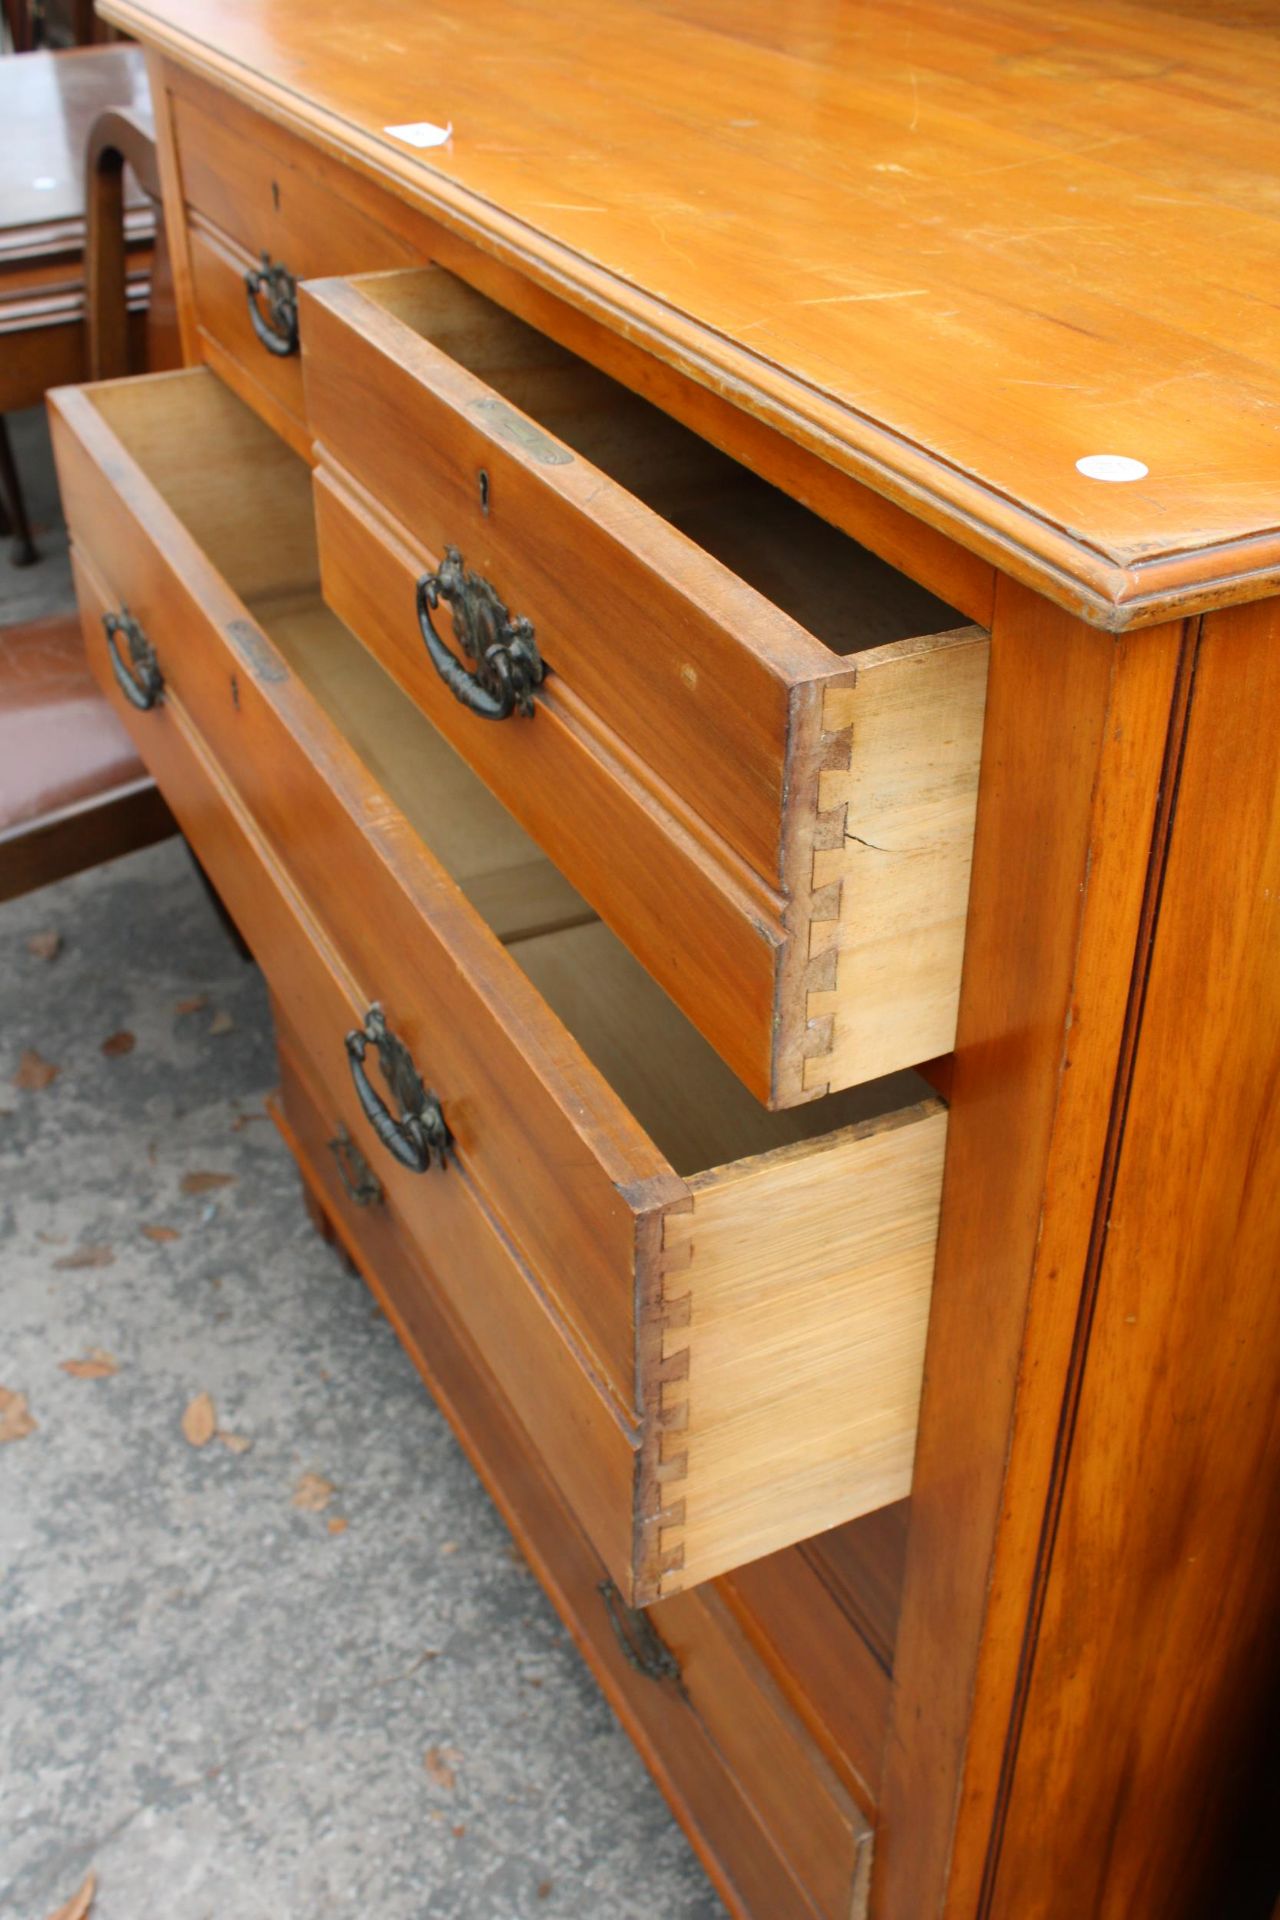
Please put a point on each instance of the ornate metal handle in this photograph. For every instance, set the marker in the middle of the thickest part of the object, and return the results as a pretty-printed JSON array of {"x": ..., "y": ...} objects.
[
  {"x": 277, "y": 328},
  {"x": 507, "y": 665},
  {"x": 357, "y": 1176},
  {"x": 419, "y": 1130},
  {"x": 638, "y": 1638},
  {"x": 144, "y": 685}
]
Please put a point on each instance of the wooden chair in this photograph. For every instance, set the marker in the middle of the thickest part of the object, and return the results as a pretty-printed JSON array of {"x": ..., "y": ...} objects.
[
  {"x": 48, "y": 105},
  {"x": 123, "y": 136},
  {"x": 72, "y": 790}
]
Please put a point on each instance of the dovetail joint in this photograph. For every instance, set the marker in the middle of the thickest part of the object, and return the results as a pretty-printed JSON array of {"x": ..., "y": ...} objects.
[
  {"x": 672, "y": 1419},
  {"x": 826, "y": 882}
]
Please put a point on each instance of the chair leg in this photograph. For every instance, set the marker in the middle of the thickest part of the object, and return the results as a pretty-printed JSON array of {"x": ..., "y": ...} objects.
[{"x": 14, "y": 506}]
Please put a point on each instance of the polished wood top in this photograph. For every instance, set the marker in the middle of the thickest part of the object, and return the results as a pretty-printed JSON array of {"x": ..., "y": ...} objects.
[
  {"x": 48, "y": 102},
  {"x": 958, "y": 249}
]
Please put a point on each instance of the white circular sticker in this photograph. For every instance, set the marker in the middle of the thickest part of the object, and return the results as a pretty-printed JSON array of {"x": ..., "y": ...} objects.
[{"x": 1111, "y": 466}]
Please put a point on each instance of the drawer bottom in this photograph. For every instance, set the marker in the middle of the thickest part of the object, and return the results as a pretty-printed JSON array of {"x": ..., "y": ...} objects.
[{"x": 782, "y": 1841}]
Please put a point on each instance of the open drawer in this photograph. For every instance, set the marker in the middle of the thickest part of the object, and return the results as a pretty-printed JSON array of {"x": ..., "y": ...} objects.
[
  {"x": 753, "y": 746},
  {"x": 710, "y": 1318}
]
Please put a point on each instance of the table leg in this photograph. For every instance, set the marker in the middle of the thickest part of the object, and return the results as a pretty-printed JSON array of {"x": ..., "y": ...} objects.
[{"x": 13, "y": 511}]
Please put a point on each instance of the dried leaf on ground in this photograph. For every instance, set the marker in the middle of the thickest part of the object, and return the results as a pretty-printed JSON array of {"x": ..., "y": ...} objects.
[
  {"x": 200, "y": 1422},
  {"x": 77, "y": 1907},
  {"x": 33, "y": 1072},
  {"x": 206, "y": 1182},
  {"x": 162, "y": 1234},
  {"x": 440, "y": 1763},
  {"x": 243, "y": 1120},
  {"x": 194, "y": 1003},
  {"x": 338, "y": 1524},
  {"x": 545, "y": 1889},
  {"x": 117, "y": 1043},
  {"x": 45, "y": 946},
  {"x": 221, "y": 1023},
  {"x": 313, "y": 1493},
  {"x": 234, "y": 1442},
  {"x": 90, "y": 1256},
  {"x": 15, "y": 1416},
  {"x": 96, "y": 1365}
]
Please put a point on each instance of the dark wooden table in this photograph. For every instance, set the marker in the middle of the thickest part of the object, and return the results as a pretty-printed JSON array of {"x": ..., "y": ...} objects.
[{"x": 48, "y": 102}]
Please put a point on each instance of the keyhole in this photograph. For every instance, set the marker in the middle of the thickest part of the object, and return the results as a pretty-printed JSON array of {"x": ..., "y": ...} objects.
[
  {"x": 275, "y": 195},
  {"x": 235, "y": 692},
  {"x": 483, "y": 480}
]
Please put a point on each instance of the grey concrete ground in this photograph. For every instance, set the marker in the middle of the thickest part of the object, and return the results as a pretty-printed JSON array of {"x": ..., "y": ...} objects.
[
  {"x": 28, "y": 592},
  {"x": 229, "y": 1705}
]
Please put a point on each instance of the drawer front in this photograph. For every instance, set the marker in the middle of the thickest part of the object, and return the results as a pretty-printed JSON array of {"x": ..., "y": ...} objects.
[
  {"x": 709, "y": 935},
  {"x": 806, "y": 816},
  {"x": 587, "y": 1443},
  {"x": 729, "y": 1358},
  {"x": 271, "y": 382},
  {"x": 556, "y": 1156},
  {"x": 252, "y": 190},
  {"x": 688, "y": 1686}
]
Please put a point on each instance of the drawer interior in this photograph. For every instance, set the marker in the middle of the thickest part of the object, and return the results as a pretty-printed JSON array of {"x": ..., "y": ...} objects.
[
  {"x": 824, "y": 1617},
  {"x": 689, "y": 1103},
  {"x": 763, "y": 1278},
  {"x": 247, "y": 501},
  {"x": 845, "y": 596}
]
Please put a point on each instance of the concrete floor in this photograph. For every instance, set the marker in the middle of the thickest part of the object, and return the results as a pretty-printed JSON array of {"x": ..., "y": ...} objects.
[{"x": 231, "y": 1706}]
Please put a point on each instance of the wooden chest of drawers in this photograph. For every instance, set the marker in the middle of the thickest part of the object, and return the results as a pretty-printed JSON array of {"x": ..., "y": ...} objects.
[
  {"x": 675, "y": 1321},
  {"x": 724, "y": 906}
]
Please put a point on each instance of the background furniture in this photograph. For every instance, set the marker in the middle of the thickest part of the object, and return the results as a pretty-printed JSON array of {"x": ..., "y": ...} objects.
[
  {"x": 33, "y": 24},
  {"x": 885, "y": 266},
  {"x": 73, "y": 791},
  {"x": 48, "y": 103},
  {"x": 76, "y": 292}
]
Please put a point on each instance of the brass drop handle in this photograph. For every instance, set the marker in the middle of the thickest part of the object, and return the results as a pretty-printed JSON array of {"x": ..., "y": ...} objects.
[
  {"x": 638, "y": 1638},
  {"x": 142, "y": 684},
  {"x": 505, "y": 665},
  {"x": 418, "y": 1132},
  {"x": 277, "y": 327}
]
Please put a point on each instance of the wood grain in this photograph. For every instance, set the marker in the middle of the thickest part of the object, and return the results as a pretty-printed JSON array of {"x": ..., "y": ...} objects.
[
  {"x": 1150, "y": 1706},
  {"x": 737, "y": 618},
  {"x": 771, "y": 1755},
  {"x": 553, "y": 1150},
  {"x": 564, "y": 1128},
  {"x": 751, "y": 1833},
  {"x": 1074, "y": 768},
  {"x": 802, "y": 1626},
  {"x": 710, "y": 189},
  {"x": 796, "y": 1292},
  {"x": 586, "y": 1440},
  {"x": 889, "y": 851},
  {"x": 572, "y": 794},
  {"x": 416, "y": 384},
  {"x": 271, "y": 384}
]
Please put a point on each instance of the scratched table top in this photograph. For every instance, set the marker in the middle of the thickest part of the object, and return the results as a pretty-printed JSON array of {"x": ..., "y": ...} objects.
[{"x": 1014, "y": 265}]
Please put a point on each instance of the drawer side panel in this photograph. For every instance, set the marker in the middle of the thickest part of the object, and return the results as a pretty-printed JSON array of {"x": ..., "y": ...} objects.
[{"x": 796, "y": 1297}]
